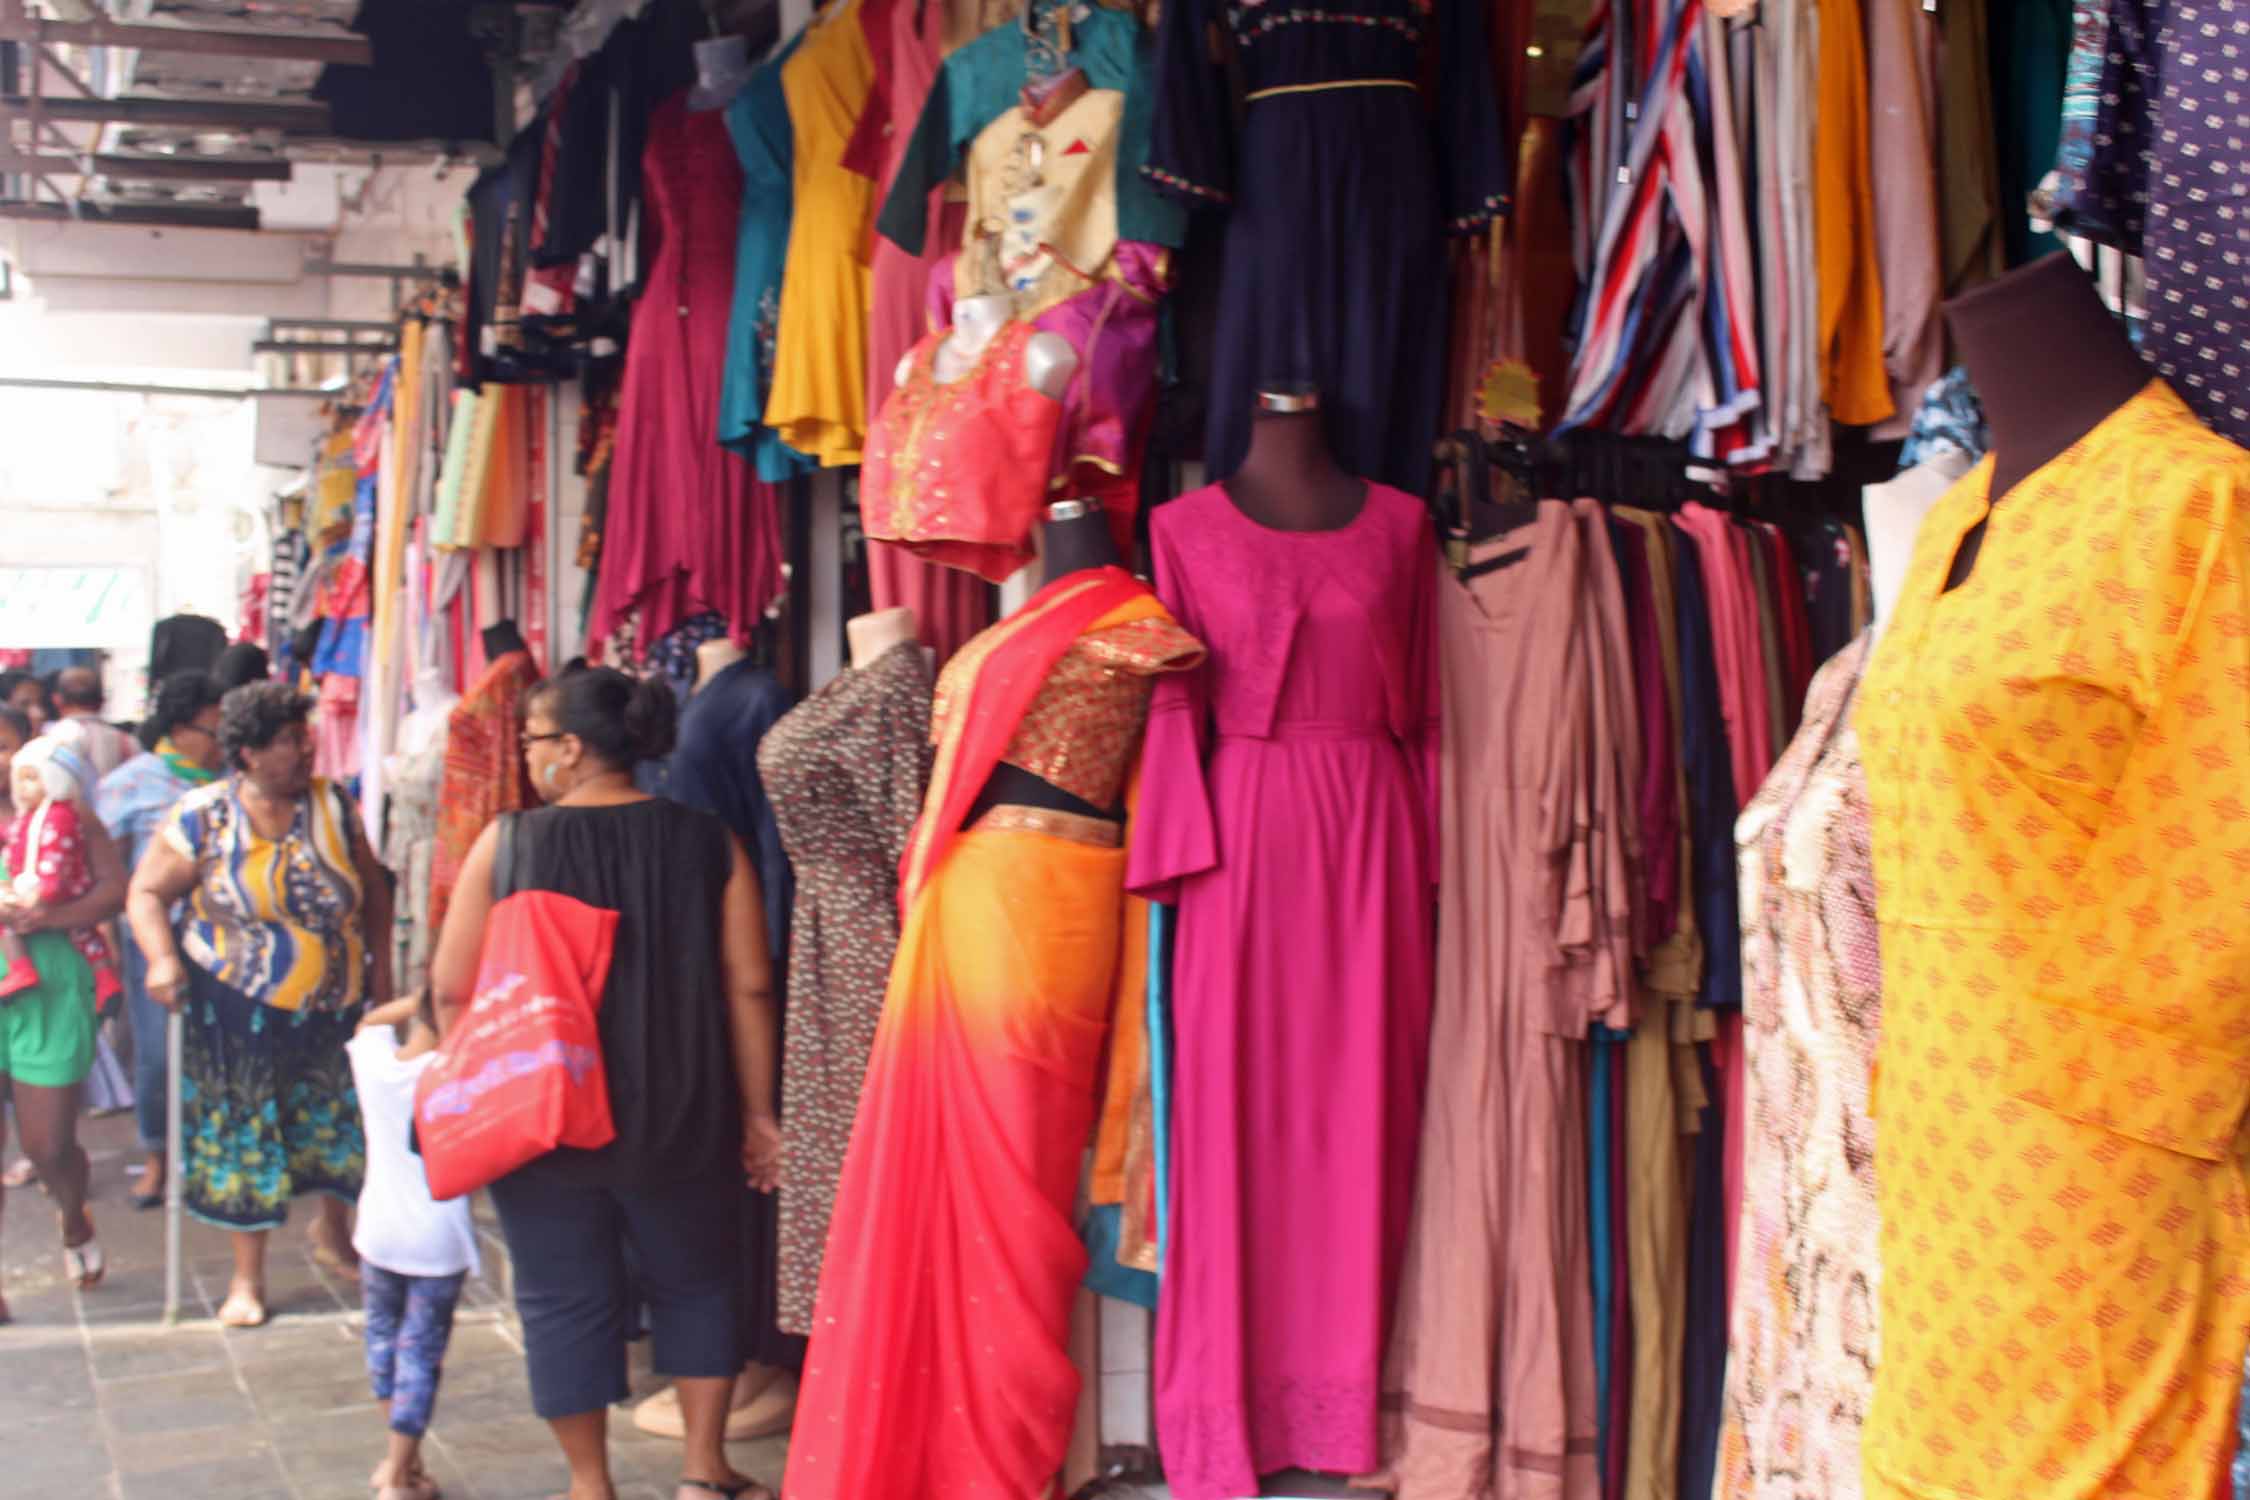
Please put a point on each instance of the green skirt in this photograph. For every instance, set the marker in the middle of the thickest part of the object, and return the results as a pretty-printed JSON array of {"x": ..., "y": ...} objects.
[{"x": 269, "y": 1107}]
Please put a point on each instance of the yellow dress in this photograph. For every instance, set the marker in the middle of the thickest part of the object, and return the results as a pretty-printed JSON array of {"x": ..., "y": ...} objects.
[
  {"x": 817, "y": 400},
  {"x": 2056, "y": 755}
]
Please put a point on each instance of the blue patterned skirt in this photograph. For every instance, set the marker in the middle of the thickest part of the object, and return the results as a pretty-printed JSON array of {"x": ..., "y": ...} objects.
[{"x": 268, "y": 1104}]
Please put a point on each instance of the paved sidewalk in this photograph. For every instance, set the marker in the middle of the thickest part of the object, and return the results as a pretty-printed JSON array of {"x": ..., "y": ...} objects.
[{"x": 100, "y": 1401}]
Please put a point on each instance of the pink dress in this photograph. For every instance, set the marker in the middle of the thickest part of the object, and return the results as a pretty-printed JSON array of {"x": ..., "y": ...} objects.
[
  {"x": 691, "y": 527},
  {"x": 1287, "y": 806}
]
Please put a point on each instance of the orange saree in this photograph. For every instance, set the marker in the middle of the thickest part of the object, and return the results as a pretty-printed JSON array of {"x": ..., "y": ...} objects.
[{"x": 939, "y": 1362}]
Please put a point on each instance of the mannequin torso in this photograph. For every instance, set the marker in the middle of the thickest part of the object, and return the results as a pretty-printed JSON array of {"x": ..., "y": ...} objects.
[
  {"x": 1290, "y": 480},
  {"x": 872, "y": 635},
  {"x": 2049, "y": 362},
  {"x": 1074, "y": 537},
  {"x": 1048, "y": 359},
  {"x": 1894, "y": 511},
  {"x": 714, "y": 657}
]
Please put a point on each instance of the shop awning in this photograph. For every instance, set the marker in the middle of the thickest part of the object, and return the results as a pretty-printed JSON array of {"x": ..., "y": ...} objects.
[{"x": 43, "y": 608}]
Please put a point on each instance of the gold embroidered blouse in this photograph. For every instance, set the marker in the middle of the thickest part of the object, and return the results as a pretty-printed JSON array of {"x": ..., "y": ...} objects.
[{"x": 1082, "y": 730}]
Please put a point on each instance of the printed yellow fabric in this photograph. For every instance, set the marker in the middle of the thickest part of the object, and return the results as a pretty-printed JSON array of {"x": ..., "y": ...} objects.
[{"x": 2056, "y": 753}]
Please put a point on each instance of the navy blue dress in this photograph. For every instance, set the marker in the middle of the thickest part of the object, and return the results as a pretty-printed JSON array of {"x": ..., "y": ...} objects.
[{"x": 1339, "y": 193}]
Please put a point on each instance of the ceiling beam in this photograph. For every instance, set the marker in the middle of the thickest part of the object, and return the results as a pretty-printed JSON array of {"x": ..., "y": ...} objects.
[
  {"x": 273, "y": 46},
  {"x": 194, "y": 114},
  {"x": 297, "y": 346},
  {"x": 137, "y": 167},
  {"x": 152, "y": 215}
]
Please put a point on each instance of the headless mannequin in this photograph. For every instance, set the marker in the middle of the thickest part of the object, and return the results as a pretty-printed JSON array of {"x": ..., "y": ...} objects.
[
  {"x": 1894, "y": 511},
  {"x": 501, "y": 639},
  {"x": 714, "y": 657},
  {"x": 432, "y": 703},
  {"x": 1048, "y": 360},
  {"x": 1074, "y": 537},
  {"x": 2049, "y": 362},
  {"x": 1289, "y": 480},
  {"x": 872, "y": 635}
]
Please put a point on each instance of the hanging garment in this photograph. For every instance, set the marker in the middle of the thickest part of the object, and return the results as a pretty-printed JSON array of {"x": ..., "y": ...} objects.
[
  {"x": 1852, "y": 291},
  {"x": 1662, "y": 224},
  {"x": 817, "y": 400},
  {"x": 2168, "y": 163},
  {"x": 1338, "y": 199},
  {"x": 906, "y": 41},
  {"x": 1902, "y": 135},
  {"x": 689, "y": 526},
  {"x": 758, "y": 123},
  {"x": 484, "y": 770},
  {"x": 1491, "y": 1380},
  {"x": 940, "y": 1360},
  {"x": 1801, "y": 1362},
  {"x": 957, "y": 470},
  {"x": 1289, "y": 798},
  {"x": 846, "y": 770},
  {"x": 1968, "y": 145},
  {"x": 714, "y": 769},
  {"x": 2060, "y": 1082},
  {"x": 409, "y": 852}
]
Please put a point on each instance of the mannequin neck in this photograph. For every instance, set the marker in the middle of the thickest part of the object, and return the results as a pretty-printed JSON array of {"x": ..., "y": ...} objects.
[
  {"x": 977, "y": 319},
  {"x": 1894, "y": 511},
  {"x": 1290, "y": 480},
  {"x": 2048, "y": 360},
  {"x": 714, "y": 657},
  {"x": 1077, "y": 544},
  {"x": 871, "y": 636}
]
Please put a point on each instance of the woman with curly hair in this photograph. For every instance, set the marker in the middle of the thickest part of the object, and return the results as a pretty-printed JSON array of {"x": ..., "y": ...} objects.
[{"x": 272, "y": 965}]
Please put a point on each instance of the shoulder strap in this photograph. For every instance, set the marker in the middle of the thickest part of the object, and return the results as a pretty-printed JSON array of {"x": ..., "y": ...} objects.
[{"x": 504, "y": 859}]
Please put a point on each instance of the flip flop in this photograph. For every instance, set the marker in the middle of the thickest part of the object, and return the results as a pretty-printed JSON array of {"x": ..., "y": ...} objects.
[
  {"x": 84, "y": 1264},
  {"x": 241, "y": 1310},
  {"x": 727, "y": 1492},
  {"x": 20, "y": 1174}
]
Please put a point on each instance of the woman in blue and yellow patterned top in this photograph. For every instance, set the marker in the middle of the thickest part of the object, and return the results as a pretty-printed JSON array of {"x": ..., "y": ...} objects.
[{"x": 273, "y": 966}]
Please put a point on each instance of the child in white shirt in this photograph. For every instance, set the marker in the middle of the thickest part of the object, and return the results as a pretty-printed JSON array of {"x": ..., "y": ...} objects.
[{"x": 414, "y": 1251}]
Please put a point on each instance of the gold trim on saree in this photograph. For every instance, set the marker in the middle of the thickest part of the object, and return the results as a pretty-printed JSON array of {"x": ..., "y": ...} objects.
[{"x": 1076, "y": 828}]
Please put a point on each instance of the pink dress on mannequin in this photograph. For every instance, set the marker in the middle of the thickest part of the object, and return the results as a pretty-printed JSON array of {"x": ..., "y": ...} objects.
[{"x": 1288, "y": 794}]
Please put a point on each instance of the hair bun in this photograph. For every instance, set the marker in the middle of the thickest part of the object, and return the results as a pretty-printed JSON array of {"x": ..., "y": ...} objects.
[{"x": 651, "y": 719}]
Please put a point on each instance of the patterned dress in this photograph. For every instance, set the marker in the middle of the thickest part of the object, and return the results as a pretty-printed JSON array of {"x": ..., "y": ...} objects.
[
  {"x": 2055, "y": 752},
  {"x": 1801, "y": 1362},
  {"x": 845, "y": 771},
  {"x": 277, "y": 963}
]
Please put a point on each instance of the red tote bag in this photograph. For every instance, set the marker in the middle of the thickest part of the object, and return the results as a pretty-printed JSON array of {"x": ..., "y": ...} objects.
[{"x": 522, "y": 1072}]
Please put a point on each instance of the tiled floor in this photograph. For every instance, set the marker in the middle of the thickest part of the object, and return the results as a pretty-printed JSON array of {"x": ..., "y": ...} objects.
[{"x": 99, "y": 1400}]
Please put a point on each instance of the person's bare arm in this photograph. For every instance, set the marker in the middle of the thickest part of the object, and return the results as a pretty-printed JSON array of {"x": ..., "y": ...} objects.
[
  {"x": 453, "y": 965},
  {"x": 164, "y": 877},
  {"x": 752, "y": 1018},
  {"x": 104, "y": 899},
  {"x": 376, "y": 907},
  {"x": 394, "y": 1013}
]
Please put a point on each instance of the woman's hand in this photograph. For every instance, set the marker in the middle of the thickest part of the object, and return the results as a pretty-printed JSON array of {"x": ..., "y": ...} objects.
[
  {"x": 761, "y": 1152},
  {"x": 167, "y": 982}
]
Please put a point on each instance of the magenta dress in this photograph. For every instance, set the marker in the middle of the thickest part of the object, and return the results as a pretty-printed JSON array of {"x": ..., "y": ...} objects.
[{"x": 1287, "y": 807}]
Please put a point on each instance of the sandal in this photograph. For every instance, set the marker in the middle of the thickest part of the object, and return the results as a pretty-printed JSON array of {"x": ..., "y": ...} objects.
[
  {"x": 729, "y": 1492},
  {"x": 242, "y": 1310},
  {"x": 84, "y": 1265},
  {"x": 20, "y": 1174}
]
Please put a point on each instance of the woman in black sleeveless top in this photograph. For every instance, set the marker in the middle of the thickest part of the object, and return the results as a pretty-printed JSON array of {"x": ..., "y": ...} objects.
[{"x": 687, "y": 1027}]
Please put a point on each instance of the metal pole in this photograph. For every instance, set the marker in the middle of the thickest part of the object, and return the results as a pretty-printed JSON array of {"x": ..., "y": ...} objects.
[{"x": 175, "y": 1163}]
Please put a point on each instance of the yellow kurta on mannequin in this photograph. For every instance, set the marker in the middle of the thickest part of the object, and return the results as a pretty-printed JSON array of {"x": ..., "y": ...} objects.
[{"x": 2056, "y": 755}]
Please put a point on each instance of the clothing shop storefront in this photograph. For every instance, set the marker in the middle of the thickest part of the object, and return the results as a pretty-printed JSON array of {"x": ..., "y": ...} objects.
[{"x": 1494, "y": 742}]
